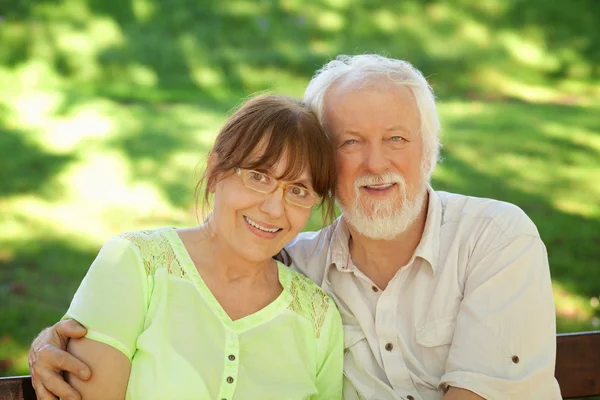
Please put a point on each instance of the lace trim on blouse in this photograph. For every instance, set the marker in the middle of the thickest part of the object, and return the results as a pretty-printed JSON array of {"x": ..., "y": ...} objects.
[
  {"x": 309, "y": 300},
  {"x": 157, "y": 252}
]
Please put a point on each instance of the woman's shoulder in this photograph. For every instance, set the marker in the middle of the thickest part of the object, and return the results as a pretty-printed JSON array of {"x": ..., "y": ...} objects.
[
  {"x": 155, "y": 248},
  {"x": 145, "y": 235},
  {"x": 145, "y": 241},
  {"x": 308, "y": 299}
]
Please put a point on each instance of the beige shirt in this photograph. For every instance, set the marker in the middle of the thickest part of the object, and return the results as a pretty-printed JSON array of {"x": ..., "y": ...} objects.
[{"x": 473, "y": 308}]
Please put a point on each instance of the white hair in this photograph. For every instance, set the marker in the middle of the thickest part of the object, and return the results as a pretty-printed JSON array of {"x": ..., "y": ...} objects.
[
  {"x": 363, "y": 69},
  {"x": 383, "y": 219}
]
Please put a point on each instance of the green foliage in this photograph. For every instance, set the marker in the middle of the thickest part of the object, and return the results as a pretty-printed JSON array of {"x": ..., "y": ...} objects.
[{"x": 148, "y": 48}]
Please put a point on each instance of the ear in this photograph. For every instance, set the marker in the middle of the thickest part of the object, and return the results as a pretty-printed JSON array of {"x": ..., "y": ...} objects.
[{"x": 213, "y": 159}]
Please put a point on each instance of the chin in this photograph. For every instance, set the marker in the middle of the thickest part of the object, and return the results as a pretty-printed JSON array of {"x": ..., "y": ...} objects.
[{"x": 257, "y": 257}]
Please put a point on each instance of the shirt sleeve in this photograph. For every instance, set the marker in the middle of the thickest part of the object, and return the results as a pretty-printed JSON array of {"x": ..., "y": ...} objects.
[
  {"x": 504, "y": 345},
  {"x": 111, "y": 300},
  {"x": 330, "y": 370}
]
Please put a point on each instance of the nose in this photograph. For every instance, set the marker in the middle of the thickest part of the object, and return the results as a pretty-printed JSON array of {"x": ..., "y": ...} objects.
[
  {"x": 273, "y": 204},
  {"x": 376, "y": 158}
]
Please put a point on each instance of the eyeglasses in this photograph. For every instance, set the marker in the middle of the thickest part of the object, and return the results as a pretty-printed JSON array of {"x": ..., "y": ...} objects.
[{"x": 263, "y": 183}]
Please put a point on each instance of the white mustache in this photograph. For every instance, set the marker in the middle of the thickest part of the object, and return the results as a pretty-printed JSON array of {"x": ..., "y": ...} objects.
[{"x": 386, "y": 177}]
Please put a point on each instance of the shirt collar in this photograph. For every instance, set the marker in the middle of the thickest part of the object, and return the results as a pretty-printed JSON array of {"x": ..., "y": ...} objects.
[
  {"x": 428, "y": 248},
  {"x": 339, "y": 250}
]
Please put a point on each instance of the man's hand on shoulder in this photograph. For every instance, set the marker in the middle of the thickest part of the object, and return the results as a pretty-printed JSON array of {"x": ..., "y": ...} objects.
[{"x": 48, "y": 358}]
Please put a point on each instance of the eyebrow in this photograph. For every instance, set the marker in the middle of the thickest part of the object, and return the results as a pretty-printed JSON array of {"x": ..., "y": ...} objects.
[
  {"x": 397, "y": 128},
  {"x": 305, "y": 182},
  {"x": 351, "y": 132},
  {"x": 297, "y": 181},
  {"x": 390, "y": 129}
]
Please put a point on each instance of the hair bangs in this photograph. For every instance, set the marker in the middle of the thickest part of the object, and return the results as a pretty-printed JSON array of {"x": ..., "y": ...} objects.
[{"x": 282, "y": 139}]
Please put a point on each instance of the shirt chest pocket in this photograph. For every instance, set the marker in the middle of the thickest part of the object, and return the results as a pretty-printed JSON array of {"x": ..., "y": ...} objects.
[
  {"x": 438, "y": 332},
  {"x": 434, "y": 339}
]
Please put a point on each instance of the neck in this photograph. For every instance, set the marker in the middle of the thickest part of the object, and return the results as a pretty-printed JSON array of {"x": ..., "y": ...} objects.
[
  {"x": 380, "y": 260},
  {"x": 214, "y": 258}
]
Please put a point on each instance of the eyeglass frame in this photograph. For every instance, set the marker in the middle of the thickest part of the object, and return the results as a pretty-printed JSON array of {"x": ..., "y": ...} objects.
[{"x": 239, "y": 171}]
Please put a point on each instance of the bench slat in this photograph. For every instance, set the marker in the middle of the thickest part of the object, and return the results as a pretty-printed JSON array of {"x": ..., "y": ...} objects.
[
  {"x": 578, "y": 364},
  {"x": 16, "y": 388}
]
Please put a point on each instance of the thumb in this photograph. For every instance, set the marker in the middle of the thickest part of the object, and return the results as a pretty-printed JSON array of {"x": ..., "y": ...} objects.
[{"x": 69, "y": 329}]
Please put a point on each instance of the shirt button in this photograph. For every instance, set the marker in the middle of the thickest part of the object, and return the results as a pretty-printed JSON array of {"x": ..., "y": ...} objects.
[
  {"x": 409, "y": 397},
  {"x": 389, "y": 346},
  {"x": 231, "y": 357},
  {"x": 515, "y": 359},
  {"x": 375, "y": 288},
  {"x": 229, "y": 379}
]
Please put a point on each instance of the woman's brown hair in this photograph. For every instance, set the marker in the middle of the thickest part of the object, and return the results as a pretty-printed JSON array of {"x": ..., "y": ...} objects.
[{"x": 276, "y": 125}]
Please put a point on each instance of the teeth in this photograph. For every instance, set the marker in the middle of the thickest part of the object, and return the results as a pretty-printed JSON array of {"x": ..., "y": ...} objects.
[
  {"x": 381, "y": 186},
  {"x": 257, "y": 226}
]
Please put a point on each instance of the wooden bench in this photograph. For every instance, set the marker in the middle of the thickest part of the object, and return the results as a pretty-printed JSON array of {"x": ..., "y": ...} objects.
[
  {"x": 577, "y": 369},
  {"x": 578, "y": 364}
]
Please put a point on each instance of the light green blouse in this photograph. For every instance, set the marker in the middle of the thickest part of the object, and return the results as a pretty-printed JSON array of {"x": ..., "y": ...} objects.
[{"x": 144, "y": 297}]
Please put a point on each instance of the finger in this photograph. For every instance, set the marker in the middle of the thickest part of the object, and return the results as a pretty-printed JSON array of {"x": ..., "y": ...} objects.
[
  {"x": 41, "y": 393},
  {"x": 70, "y": 328},
  {"x": 54, "y": 383},
  {"x": 50, "y": 380},
  {"x": 52, "y": 359}
]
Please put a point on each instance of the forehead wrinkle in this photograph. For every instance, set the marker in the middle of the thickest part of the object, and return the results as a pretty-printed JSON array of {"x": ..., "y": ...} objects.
[
  {"x": 345, "y": 116},
  {"x": 397, "y": 128}
]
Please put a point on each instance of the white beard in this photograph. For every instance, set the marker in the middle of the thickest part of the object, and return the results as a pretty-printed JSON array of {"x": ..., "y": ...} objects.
[{"x": 382, "y": 219}]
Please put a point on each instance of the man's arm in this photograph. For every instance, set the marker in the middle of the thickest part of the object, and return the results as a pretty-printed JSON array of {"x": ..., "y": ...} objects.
[
  {"x": 504, "y": 344},
  {"x": 48, "y": 358}
]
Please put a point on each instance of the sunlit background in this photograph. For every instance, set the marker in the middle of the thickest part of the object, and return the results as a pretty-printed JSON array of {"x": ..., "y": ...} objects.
[{"x": 108, "y": 109}]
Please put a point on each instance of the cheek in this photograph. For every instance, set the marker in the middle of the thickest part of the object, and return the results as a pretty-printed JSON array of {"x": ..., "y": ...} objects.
[
  {"x": 416, "y": 163},
  {"x": 348, "y": 169},
  {"x": 229, "y": 200},
  {"x": 297, "y": 219},
  {"x": 409, "y": 162},
  {"x": 410, "y": 168}
]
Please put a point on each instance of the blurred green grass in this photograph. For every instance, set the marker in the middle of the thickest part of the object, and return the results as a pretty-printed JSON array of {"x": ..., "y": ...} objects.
[{"x": 107, "y": 109}]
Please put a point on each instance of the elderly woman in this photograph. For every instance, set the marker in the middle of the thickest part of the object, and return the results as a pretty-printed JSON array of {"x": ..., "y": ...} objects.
[{"x": 206, "y": 312}]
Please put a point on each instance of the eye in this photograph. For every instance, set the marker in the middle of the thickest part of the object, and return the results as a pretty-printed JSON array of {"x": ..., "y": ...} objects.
[
  {"x": 349, "y": 142},
  {"x": 258, "y": 176},
  {"x": 397, "y": 139},
  {"x": 298, "y": 191}
]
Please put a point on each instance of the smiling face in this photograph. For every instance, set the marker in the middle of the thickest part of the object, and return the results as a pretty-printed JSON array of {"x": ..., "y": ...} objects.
[
  {"x": 381, "y": 185},
  {"x": 255, "y": 226},
  {"x": 283, "y": 138}
]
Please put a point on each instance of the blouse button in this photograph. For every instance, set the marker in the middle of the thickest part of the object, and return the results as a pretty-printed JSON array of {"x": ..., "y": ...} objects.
[
  {"x": 515, "y": 359},
  {"x": 409, "y": 397},
  {"x": 375, "y": 288},
  {"x": 229, "y": 379},
  {"x": 389, "y": 346},
  {"x": 231, "y": 357}
]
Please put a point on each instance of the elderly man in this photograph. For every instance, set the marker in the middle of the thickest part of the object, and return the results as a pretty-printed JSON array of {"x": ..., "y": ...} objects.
[{"x": 443, "y": 296}]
